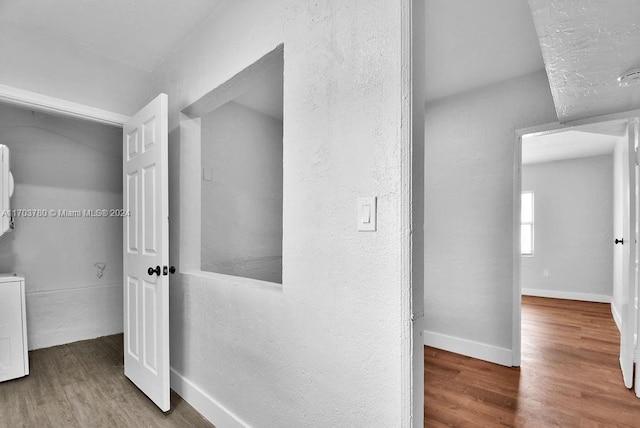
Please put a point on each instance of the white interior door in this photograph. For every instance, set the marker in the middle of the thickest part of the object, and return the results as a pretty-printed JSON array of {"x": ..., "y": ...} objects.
[
  {"x": 146, "y": 252},
  {"x": 629, "y": 278},
  {"x": 634, "y": 135}
]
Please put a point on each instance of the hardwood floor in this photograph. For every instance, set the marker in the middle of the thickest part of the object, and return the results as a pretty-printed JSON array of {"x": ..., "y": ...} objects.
[
  {"x": 570, "y": 375},
  {"x": 83, "y": 385}
]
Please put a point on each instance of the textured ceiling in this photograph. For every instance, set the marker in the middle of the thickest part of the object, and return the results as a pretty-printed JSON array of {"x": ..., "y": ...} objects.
[
  {"x": 471, "y": 44},
  {"x": 139, "y": 33},
  {"x": 586, "y": 45}
]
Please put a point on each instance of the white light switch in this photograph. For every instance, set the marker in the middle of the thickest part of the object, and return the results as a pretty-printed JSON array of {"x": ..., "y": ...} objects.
[
  {"x": 207, "y": 174},
  {"x": 367, "y": 213}
]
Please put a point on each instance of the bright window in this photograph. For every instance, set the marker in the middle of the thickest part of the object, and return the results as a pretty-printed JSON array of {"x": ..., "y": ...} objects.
[{"x": 526, "y": 224}]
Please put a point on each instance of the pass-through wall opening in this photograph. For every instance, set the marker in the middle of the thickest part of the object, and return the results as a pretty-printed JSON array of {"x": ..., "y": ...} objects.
[{"x": 239, "y": 126}]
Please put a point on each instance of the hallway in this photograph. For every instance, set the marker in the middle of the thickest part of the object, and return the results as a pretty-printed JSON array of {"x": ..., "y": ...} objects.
[{"x": 570, "y": 375}]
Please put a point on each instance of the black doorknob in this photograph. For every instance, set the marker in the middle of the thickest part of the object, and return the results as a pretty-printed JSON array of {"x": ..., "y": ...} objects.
[
  {"x": 166, "y": 270},
  {"x": 619, "y": 241},
  {"x": 151, "y": 270}
]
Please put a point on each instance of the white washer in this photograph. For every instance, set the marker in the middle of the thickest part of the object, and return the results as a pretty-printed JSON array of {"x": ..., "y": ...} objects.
[{"x": 14, "y": 357}]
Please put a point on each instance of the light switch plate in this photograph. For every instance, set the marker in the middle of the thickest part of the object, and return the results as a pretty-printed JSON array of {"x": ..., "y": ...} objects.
[
  {"x": 367, "y": 214},
  {"x": 207, "y": 174}
]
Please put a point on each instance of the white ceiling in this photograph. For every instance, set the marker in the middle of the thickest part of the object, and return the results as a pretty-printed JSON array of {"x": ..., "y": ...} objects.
[
  {"x": 471, "y": 44},
  {"x": 586, "y": 45},
  {"x": 565, "y": 145},
  {"x": 139, "y": 33}
]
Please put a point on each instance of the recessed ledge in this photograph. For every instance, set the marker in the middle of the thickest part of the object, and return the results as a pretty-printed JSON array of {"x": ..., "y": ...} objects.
[{"x": 255, "y": 284}]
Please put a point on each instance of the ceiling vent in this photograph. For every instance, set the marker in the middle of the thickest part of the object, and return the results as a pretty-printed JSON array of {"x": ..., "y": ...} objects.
[{"x": 629, "y": 78}]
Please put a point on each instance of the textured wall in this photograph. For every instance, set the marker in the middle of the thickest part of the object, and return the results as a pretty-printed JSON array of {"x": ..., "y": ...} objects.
[
  {"x": 242, "y": 200},
  {"x": 469, "y": 167},
  {"x": 573, "y": 226},
  {"x": 72, "y": 266},
  {"x": 325, "y": 348}
]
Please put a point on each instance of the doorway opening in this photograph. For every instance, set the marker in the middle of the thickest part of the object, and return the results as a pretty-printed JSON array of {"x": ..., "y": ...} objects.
[
  {"x": 67, "y": 174},
  {"x": 574, "y": 282}
]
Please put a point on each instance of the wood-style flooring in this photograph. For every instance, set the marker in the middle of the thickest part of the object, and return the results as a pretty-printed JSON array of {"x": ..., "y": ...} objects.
[
  {"x": 83, "y": 385},
  {"x": 570, "y": 375}
]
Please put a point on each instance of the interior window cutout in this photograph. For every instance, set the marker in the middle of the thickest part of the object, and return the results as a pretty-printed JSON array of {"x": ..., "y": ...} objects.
[{"x": 242, "y": 177}]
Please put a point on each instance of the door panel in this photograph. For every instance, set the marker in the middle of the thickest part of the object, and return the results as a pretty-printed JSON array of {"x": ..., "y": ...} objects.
[
  {"x": 149, "y": 229},
  {"x": 146, "y": 245},
  {"x": 634, "y": 135},
  {"x": 628, "y": 324},
  {"x": 131, "y": 203},
  {"x": 131, "y": 312}
]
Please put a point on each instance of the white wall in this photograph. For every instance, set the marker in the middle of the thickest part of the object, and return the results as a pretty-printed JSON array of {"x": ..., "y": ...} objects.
[
  {"x": 242, "y": 200},
  {"x": 39, "y": 63},
  {"x": 573, "y": 229},
  {"x": 325, "y": 349},
  {"x": 469, "y": 167},
  {"x": 59, "y": 163},
  {"x": 620, "y": 188}
]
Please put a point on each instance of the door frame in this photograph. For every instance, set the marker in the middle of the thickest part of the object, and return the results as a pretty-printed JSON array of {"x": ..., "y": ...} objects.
[
  {"x": 57, "y": 106},
  {"x": 545, "y": 129}
]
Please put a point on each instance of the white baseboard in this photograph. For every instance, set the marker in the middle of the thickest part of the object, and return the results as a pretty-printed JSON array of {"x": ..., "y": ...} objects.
[
  {"x": 56, "y": 317},
  {"x": 208, "y": 407},
  {"x": 478, "y": 350},
  {"x": 568, "y": 295},
  {"x": 616, "y": 316}
]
